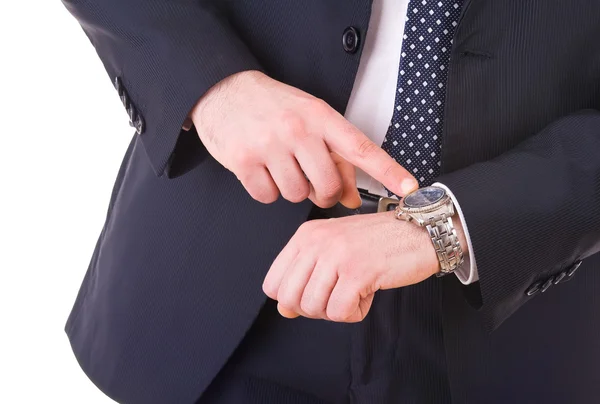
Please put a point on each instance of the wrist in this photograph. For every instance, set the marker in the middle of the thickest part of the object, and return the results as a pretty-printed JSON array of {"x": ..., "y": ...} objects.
[
  {"x": 432, "y": 209},
  {"x": 217, "y": 94}
]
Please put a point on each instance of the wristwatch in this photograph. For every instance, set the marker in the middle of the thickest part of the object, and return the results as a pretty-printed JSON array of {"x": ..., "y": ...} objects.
[{"x": 432, "y": 208}]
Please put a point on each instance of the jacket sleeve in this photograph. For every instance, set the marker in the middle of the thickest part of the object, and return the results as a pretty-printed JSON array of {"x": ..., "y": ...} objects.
[
  {"x": 533, "y": 212},
  {"x": 167, "y": 54}
]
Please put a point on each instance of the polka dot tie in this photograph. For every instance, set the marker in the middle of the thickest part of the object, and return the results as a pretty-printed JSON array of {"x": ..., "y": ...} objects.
[{"x": 414, "y": 136}]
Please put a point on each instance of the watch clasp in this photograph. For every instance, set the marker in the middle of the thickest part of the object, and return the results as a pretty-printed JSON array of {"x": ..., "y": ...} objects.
[{"x": 387, "y": 204}]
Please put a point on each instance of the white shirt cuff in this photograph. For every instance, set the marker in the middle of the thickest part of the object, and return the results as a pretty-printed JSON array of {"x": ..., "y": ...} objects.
[{"x": 467, "y": 273}]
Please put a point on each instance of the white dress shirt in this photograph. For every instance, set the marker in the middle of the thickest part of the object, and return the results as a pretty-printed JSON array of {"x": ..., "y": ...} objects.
[{"x": 372, "y": 100}]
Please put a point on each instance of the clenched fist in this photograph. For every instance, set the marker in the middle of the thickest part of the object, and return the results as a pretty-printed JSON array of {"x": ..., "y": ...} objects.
[
  {"x": 278, "y": 139},
  {"x": 332, "y": 268}
]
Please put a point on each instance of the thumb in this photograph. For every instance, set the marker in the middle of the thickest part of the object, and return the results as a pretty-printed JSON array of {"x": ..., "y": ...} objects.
[{"x": 350, "y": 196}]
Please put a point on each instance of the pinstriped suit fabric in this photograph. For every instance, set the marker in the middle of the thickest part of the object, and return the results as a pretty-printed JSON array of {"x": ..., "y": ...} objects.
[{"x": 175, "y": 281}]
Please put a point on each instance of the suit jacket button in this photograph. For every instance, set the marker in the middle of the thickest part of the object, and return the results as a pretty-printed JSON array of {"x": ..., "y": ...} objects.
[
  {"x": 139, "y": 126},
  {"x": 573, "y": 269},
  {"x": 560, "y": 277},
  {"x": 547, "y": 284},
  {"x": 351, "y": 40},
  {"x": 119, "y": 85},
  {"x": 533, "y": 289},
  {"x": 125, "y": 100}
]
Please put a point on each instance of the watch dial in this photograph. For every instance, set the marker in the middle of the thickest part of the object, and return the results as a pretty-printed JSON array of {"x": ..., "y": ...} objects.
[{"x": 424, "y": 197}]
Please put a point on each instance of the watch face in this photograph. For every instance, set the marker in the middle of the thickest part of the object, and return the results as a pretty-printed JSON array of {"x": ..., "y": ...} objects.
[{"x": 424, "y": 197}]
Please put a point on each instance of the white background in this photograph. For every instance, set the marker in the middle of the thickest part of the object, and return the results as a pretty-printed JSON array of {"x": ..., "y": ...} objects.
[{"x": 63, "y": 132}]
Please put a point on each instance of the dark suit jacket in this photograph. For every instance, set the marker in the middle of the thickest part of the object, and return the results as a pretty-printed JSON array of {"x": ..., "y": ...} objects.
[{"x": 175, "y": 279}]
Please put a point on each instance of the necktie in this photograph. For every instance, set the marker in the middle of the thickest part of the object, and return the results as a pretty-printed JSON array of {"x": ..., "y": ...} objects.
[{"x": 414, "y": 136}]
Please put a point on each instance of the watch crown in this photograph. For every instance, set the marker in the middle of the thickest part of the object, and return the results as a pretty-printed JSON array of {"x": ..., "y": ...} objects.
[{"x": 401, "y": 215}]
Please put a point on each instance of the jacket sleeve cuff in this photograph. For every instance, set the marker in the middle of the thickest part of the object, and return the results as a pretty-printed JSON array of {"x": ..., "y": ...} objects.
[
  {"x": 165, "y": 97},
  {"x": 532, "y": 211},
  {"x": 166, "y": 57}
]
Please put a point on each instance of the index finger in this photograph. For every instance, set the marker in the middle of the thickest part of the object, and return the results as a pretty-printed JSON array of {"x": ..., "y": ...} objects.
[{"x": 345, "y": 139}]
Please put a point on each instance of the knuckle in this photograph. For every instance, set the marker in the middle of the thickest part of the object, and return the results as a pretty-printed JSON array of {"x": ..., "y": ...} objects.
[
  {"x": 309, "y": 233},
  {"x": 309, "y": 308},
  {"x": 336, "y": 314},
  {"x": 245, "y": 176},
  {"x": 297, "y": 193},
  {"x": 286, "y": 300},
  {"x": 333, "y": 189},
  {"x": 317, "y": 231},
  {"x": 264, "y": 194},
  {"x": 266, "y": 143},
  {"x": 269, "y": 289},
  {"x": 292, "y": 125},
  {"x": 330, "y": 191},
  {"x": 319, "y": 107},
  {"x": 305, "y": 229},
  {"x": 389, "y": 170},
  {"x": 242, "y": 157},
  {"x": 365, "y": 148},
  {"x": 306, "y": 226}
]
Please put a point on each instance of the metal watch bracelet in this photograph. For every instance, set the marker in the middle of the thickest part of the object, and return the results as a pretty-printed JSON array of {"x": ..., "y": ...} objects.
[{"x": 445, "y": 241}]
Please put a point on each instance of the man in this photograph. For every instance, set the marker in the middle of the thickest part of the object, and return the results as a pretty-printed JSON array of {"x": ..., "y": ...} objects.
[{"x": 494, "y": 103}]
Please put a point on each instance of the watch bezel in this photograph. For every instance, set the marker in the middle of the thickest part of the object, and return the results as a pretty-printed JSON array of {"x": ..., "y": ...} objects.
[{"x": 428, "y": 208}]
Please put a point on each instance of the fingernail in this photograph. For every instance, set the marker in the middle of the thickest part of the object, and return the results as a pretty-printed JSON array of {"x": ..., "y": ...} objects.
[{"x": 408, "y": 185}]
